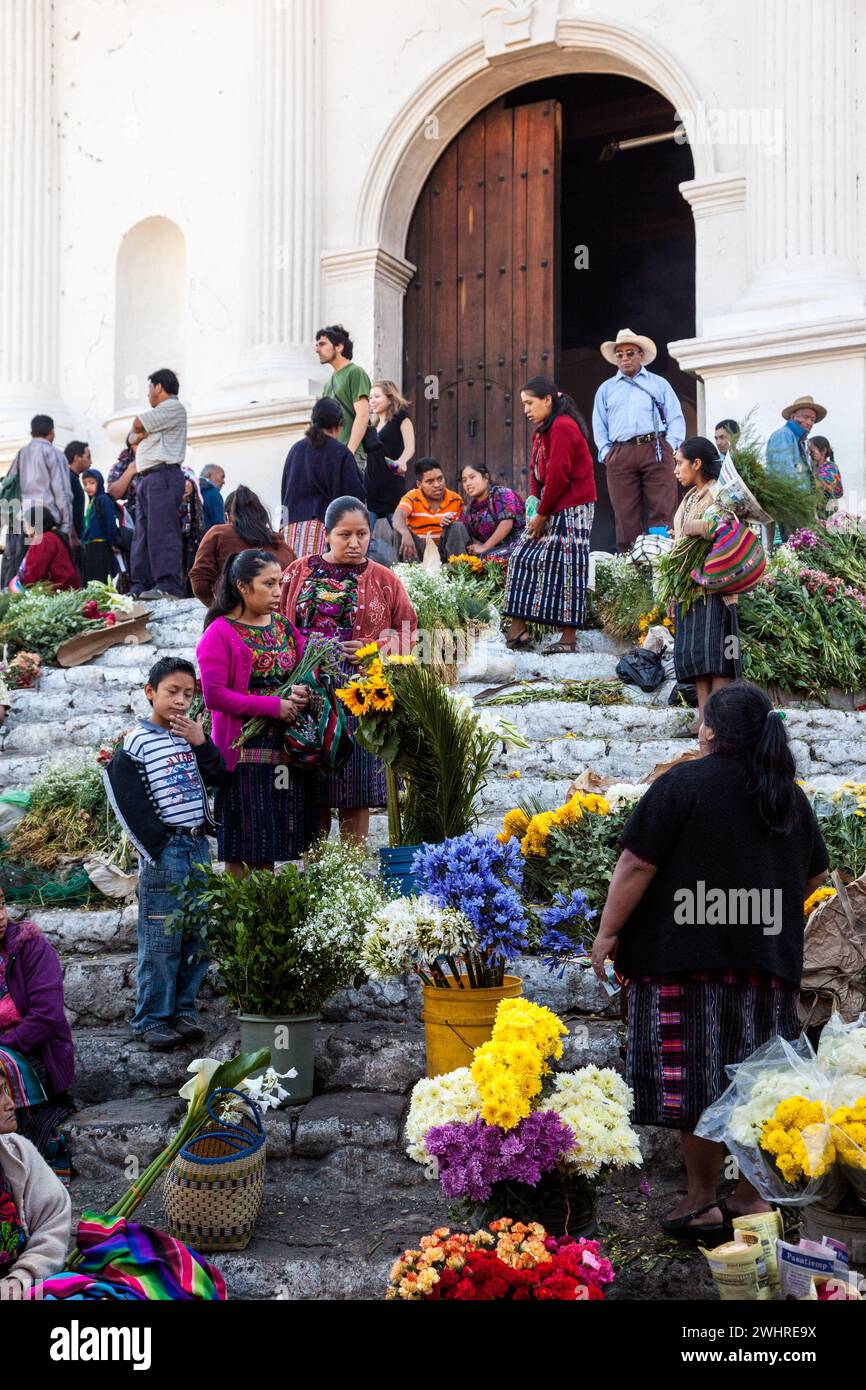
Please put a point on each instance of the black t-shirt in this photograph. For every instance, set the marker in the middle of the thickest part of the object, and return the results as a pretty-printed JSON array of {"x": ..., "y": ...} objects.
[
  {"x": 384, "y": 487},
  {"x": 729, "y": 892}
]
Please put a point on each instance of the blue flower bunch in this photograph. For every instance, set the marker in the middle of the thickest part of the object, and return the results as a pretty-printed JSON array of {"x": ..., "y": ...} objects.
[
  {"x": 574, "y": 914},
  {"x": 480, "y": 877}
]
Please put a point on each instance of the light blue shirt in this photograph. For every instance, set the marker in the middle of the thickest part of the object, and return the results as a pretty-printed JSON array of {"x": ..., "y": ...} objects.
[
  {"x": 622, "y": 411},
  {"x": 786, "y": 452}
]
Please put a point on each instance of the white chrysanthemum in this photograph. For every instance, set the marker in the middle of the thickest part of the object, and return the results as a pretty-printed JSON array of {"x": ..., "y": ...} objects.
[
  {"x": 439, "y": 1100},
  {"x": 847, "y": 1090},
  {"x": 595, "y": 1103},
  {"x": 414, "y": 931},
  {"x": 623, "y": 792},
  {"x": 844, "y": 1052},
  {"x": 770, "y": 1088}
]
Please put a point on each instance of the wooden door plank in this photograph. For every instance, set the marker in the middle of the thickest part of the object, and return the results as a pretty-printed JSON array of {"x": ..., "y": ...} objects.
[
  {"x": 519, "y": 266},
  {"x": 416, "y": 252},
  {"x": 498, "y": 303},
  {"x": 541, "y": 238},
  {"x": 443, "y": 308},
  {"x": 471, "y": 276}
]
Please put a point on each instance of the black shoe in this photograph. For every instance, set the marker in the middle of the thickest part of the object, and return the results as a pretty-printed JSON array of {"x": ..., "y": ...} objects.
[
  {"x": 162, "y": 1039},
  {"x": 189, "y": 1030},
  {"x": 151, "y": 594}
]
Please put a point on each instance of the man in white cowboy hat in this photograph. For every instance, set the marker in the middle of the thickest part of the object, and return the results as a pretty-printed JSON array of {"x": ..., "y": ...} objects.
[
  {"x": 638, "y": 424},
  {"x": 787, "y": 450}
]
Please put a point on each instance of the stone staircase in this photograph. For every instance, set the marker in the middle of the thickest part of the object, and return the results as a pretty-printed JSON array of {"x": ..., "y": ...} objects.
[{"x": 342, "y": 1199}]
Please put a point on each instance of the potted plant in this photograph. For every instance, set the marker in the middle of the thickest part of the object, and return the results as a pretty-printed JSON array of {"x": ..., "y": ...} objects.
[
  {"x": 509, "y": 1137},
  {"x": 431, "y": 741},
  {"x": 284, "y": 943}
]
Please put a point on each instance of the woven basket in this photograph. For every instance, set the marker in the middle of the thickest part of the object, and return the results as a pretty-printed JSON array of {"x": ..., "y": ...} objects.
[{"x": 213, "y": 1189}]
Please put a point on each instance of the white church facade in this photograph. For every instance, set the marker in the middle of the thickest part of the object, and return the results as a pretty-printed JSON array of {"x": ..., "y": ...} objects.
[{"x": 201, "y": 184}]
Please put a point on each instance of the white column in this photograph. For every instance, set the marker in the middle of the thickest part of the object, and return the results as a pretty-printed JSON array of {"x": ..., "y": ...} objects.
[
  {"x": 286, "y": 199},
  {"x": 29, "y": 228},
  {"x": 801, "y": 162}
]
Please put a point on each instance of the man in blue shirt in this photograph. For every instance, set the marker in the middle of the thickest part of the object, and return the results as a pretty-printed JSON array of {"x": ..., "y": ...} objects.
[
  {"x": 638, "y": 424},
  {"x": 211, "y": 483},
  {"x": 787, "y": 450}
]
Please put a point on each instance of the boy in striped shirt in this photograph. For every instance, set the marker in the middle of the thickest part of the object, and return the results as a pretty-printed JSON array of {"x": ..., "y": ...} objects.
[{"x": 156, "y": 785}]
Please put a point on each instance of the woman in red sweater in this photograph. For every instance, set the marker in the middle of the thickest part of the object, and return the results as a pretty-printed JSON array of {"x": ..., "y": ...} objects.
[
  {"x": 549, "y": 567},
  {"x": 47, "y": 557}
]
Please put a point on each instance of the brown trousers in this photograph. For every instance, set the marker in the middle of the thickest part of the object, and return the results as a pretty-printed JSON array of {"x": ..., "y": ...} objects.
[{"x": 636, "y": 479}]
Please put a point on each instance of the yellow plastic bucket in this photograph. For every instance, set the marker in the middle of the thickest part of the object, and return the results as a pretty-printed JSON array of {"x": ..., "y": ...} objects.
[{"x": 456, "y": 1021}]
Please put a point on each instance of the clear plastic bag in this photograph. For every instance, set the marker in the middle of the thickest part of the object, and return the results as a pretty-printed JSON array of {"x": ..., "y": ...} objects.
[
  {"x": 776, "y": 1072},
  {"x": 842, "y": 1051}
]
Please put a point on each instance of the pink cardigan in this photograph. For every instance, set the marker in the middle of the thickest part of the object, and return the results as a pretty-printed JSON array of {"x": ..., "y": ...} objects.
[
  {"x": 383, "y": 613},
  {"x": 226, "y": 664}
]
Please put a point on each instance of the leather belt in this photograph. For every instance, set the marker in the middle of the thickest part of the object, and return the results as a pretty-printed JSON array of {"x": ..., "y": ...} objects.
[
  {"x": 645, "y": 438},
  {"x": 198, "y": 832}
]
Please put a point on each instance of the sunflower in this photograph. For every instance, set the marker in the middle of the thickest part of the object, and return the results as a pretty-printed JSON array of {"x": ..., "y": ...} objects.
[
  {"x": 371, "y": 649},
  {"x": 356, "y": 698},
  {"x": 395, "y": 660},
  {"x": 381, "y": 695}
]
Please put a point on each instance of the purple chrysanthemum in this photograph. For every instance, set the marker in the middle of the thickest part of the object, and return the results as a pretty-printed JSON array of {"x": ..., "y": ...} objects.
[{"x": 473, "y": 1156}]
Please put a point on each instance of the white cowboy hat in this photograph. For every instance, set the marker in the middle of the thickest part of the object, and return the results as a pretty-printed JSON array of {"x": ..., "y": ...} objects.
[
  {"x": 804, "y": 403},
  {"x": 625, "y": 335}
]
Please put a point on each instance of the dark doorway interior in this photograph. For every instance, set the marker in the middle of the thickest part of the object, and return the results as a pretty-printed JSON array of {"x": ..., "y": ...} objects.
[{"x": 638, "y": 231}]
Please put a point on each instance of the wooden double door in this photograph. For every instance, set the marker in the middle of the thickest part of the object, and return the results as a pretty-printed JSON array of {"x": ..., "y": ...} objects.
[{"x": 481, "y": 313}]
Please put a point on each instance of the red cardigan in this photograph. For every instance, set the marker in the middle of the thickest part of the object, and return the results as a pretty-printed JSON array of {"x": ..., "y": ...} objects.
[
  {"x": 384, "y": 613},
  {"x": 49, "y": 560},
  {"x": 561, "y": 458}
]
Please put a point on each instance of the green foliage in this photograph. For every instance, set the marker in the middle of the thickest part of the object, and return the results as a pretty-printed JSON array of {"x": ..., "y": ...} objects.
[
  {"x": 41, "y": 621},
  {"x": 586, "y": 692},
  {"x": 842, "y": 822},
  {"x": 791, "y": 502},
  {"x": 68, "y": 818},
  {"x": 623, "y": 592},
  {"x": 802, "y": 641},
  {"x": 675, "y": 583},
  {"x": 272, "y": 956}
]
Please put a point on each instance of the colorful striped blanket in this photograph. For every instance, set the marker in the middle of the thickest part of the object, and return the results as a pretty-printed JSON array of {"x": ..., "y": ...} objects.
[{"x": 123, "y": 1260}]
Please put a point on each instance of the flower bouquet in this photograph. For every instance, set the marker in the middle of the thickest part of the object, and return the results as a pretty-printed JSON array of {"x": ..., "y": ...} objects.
[
  {"x": 509, "y": 1260},
  {"x": 576, "y": 845},
  {"x": 22, "y": 671},
  {"x": 508, "y": 1135},
  {"x": 319, "y": 738}
]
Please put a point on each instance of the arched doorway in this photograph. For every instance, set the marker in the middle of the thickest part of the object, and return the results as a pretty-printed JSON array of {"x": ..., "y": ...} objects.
[{"x": 540, "y": 231}]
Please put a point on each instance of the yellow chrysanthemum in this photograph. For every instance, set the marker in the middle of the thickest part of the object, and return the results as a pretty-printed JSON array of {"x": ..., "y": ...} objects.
[
  {"x": 514, "y": 826},
  {"x": 592, "y": 802},
  {"x": 471, "y": 560},
  {"x": 535, "y": 839},
  {"x": 569, "y": 814},
  {"x": 820, "y": 895}
]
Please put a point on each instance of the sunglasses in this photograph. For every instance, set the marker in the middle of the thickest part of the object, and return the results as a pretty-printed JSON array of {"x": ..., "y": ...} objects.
[{"x": 631, "y": 352}]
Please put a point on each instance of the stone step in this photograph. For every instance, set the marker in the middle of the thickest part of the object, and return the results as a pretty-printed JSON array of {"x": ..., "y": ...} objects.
[{"x": 100, "y": 990}]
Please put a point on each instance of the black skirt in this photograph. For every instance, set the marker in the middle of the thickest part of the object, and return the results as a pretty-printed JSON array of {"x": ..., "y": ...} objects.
[{"x": 707, "y": 639}]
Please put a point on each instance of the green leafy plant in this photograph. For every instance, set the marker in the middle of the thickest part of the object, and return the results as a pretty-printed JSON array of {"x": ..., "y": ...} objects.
[
  {"x": 274, "y": 956},
  {"x": 675, "y": 583},
  {"x": 68, "y": 818},
  {"x": 842, "y": 821},
  {"x": 623, "y": 592},
  {"x": 790, "y": 501},
  {"x": 587, "y": 692},
  {"x": 40, "y": 621}
]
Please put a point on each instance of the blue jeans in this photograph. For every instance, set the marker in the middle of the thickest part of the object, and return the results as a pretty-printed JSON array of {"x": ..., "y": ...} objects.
[{"x": 171, "y": 964}]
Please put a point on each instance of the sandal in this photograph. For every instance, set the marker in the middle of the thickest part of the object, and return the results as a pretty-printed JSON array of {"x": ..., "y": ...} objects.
[
  {"x": 560, "y": 648},
  {"x": 519, "y": 643},
  {"x": 678, "y": 1226}
]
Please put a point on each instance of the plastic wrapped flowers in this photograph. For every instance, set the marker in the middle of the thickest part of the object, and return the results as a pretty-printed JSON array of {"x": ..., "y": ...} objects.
[
  {"x": 508, "y": 1260},
  {"x": 510, "y": 1120},
  {"x": 796, "y": 1120}
]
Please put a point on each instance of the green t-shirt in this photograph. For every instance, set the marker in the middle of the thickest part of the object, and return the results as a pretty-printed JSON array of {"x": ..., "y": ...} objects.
[{"x": 347, "y": 386}]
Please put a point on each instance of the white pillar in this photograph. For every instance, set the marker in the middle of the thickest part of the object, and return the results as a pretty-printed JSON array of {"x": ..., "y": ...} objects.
[
  {"x": 29, "y": 228},
  {"x": 285, "y": 201},
  {"x": 801, "y": 162}
]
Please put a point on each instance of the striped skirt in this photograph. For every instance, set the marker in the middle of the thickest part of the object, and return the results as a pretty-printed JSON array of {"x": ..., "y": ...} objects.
[
  {"x": 547, "y": 578},
  {"x": 267, "y": 811},
  {"x": 306, "y": 538},
  {"x": 682, "y": 1031},
  {"x": 707, "y": 639}
]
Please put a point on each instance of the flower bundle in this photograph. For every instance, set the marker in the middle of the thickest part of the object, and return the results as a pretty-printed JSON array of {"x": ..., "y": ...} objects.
[
  {"x": 416, "y": 934},
  {"x": 22, "y": 671},
  {"x": 509, "y": 1260},
  {"x": 481, "y": 878},
  {"x": 675, "y": 583},
  {"x": 797, "y": 1137},
  {"x": 574, "y": 846},
  {"x": 509, "y": 1119},
  {"x": 471, "y": 563},
  {"x": 321, "y": 660},
  {"x": 654, "y": 616}
]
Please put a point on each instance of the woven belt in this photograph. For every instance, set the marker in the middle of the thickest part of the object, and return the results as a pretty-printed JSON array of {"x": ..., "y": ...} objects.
[{"x": 644, "y": 438}]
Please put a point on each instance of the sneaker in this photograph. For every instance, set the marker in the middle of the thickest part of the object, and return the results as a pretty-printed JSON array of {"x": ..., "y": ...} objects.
[
  {"x": 162, "y": 1039},
  {"x": 189, "y": 1030}
]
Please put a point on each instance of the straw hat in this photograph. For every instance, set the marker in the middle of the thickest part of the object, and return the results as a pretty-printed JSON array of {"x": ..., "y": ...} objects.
[
  {"x": 804, "y": 403},
  {"x": 625, "y": 335}
]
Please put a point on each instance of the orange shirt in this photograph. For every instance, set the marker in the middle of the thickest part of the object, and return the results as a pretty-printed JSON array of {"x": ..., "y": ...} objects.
[{"x": 420, "y": 516}]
